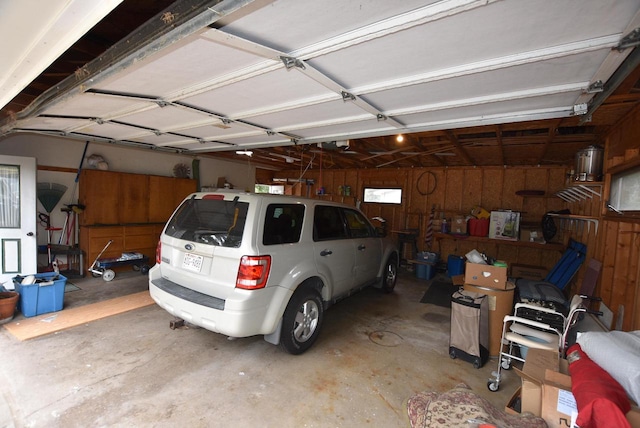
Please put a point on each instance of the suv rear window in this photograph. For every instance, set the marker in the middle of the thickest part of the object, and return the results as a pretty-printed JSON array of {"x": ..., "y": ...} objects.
[
  {"x": 210, "y": 221},
  {"x": 283, "y": 224}
]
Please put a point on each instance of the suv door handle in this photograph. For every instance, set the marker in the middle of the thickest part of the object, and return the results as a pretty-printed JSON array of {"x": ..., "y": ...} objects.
[
  {"x": 326, "y": 252},
  {"x": 361, "y": 247}
]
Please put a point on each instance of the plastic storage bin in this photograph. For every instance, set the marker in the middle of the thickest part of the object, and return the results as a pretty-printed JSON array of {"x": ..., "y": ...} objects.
[
  {"x": 455, "y": 265},
  {"x": 426, "y": 271},
  {"x": 44, "y": 296}
]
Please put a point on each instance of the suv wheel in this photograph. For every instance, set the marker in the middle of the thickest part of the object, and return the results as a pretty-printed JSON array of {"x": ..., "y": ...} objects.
[
  {"x": 390, "y": 275},
  {"x": 301, "y": 321}
]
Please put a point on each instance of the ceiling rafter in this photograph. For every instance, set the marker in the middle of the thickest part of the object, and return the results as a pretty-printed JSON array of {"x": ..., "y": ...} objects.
[{"x": 460, "y": 149}]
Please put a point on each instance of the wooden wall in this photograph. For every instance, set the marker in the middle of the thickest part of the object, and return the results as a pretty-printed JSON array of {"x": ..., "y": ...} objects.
[
  {"x": 619, "y": 247},
  {"x": 615, "y": 242},
  {"x": 450, "y": 191}
]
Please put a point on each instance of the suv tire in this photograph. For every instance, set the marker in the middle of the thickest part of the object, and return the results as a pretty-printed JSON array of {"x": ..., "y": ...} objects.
[
  {"x": 389, "y": 275},
  {"x": 301, "y": 321}
]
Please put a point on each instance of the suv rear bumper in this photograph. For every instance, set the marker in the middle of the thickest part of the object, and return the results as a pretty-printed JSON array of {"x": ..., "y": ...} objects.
[{"x": 246, "y": 313}]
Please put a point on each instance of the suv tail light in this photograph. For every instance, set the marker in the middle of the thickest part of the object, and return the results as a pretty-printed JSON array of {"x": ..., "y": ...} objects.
[
  {"x": 159, "y": 252},
  {"x": 253, "y": 272}
]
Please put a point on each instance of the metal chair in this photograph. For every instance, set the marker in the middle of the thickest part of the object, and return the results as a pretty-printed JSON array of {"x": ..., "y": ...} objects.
[{"x": 519, "y": 333}]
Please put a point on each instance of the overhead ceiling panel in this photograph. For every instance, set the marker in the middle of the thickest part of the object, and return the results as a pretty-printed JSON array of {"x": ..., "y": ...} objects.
[
  {"x": 89, "y": 104},
  {"x": 161, "y": 140},
  {"x": 259, "y": 73},
  {"x": 288, "y": 25},
  {"x": 312, "y": 115},
  {"x": 518, "y": 110},
  {"x": 262, "y": 94},
  {"x": 109, "y": 131},
  {"x": 520, "y": 80},
  {"x": 167, "y": 118},
  {"x": 256, "y": 140},
  {"x": 191, "y": 61},
  {"x": 51, "y": 123},
  {"x": 217, "y": 130},
  {"x": 343, "y": 131}
]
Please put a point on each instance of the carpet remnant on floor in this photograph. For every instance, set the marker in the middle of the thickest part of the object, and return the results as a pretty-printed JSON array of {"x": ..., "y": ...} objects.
[
  {"x": 29, "y": 328},
  {"x": 439, "y": 293},
  {"x": 69, "y": 287}
]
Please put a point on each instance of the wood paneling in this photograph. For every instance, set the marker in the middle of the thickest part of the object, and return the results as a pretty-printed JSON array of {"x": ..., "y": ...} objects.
[
  {"x": 133, "y": 198},
  {"x": 616, "y": 243},
  {"x": 454, "y": 191},
  {"x": 128, "y": 209},
  {"x": 139, "y": 239},
  {"x": 99, "y": 192}
]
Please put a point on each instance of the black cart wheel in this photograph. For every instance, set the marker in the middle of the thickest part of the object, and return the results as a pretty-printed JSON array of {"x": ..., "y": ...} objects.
[
  {"x": 144, "y": 269},
  {"x": 452, "y": 353},
  {"x": 493, "y": 385},
  {"x": 477, "y": 363}
]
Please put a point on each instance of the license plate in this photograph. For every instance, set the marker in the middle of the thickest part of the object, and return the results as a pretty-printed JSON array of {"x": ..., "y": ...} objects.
[{"x": 192, "y": 262}]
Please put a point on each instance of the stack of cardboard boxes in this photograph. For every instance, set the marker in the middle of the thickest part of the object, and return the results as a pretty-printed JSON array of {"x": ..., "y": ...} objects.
[
  {"x": 492, "y": 281},
  {"x": 546, "y": 391}
]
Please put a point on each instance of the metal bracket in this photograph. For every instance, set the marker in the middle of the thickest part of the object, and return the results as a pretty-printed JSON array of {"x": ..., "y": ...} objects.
[
  {"x": 630, "y": 40},
  {"x": 580, "y": 109},
  {"x": 347, "y": 96},
  {"x": 291, "y": 62},
  {"x": 595, "y": 87}
]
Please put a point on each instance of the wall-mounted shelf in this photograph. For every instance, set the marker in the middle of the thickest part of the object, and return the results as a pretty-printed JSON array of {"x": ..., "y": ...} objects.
[
  {"x": 580, "y": 190},
  {"x": 484, "y": 239}
]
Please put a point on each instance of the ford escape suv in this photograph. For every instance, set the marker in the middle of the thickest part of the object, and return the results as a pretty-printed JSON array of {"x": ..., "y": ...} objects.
[{"x": 244, "y": 264}]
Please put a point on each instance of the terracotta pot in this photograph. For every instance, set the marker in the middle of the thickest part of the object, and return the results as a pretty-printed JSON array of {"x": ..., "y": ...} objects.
[{"x": 8, "y": 303}]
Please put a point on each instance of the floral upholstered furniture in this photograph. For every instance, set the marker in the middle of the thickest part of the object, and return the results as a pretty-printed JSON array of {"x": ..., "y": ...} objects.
[{"x": 461, "y": 407}]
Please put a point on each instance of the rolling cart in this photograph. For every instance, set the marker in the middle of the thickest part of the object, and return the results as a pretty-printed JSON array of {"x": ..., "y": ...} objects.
[
  {"x": 469, "y": 327},
  {"x": 103, "y": 267}
]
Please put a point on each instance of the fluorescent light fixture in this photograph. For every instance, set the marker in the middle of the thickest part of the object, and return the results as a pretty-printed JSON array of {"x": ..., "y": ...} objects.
[{"x": 244, "y": 152}]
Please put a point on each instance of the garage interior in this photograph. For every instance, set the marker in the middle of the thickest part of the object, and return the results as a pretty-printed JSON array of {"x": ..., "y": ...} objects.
[{"x": 130, "y": 106}]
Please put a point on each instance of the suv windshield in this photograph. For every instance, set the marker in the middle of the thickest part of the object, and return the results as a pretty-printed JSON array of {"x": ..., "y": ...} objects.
[{"x": 210, "y": 221}]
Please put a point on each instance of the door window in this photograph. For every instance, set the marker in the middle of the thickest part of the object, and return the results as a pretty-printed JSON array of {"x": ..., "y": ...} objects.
[
  {"x": 9, "y": 196},
  {"x": 359, "y": 226},
  {"x": 328, "y": 223},
  {"x": 283, "y": 224}
]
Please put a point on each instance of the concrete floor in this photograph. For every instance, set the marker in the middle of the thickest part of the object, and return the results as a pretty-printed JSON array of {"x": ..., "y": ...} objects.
[{"x": 374, "y": 352}]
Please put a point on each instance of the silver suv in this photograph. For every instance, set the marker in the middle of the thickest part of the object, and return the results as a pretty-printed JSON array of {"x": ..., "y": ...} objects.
[{"x": 244, "y": 264}]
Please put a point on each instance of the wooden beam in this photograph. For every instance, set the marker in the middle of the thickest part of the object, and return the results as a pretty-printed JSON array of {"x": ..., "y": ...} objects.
[{"x": 454, "y": 140}]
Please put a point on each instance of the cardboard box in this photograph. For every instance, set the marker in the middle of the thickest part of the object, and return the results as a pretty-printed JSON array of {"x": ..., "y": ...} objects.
[
  {"x": 558, "y": 403},
  {"x": 459, "y": 225},
  {"x": 486, "y": 276},
  {"x": 504, "y": 225},
  {"x": 513, "y": 406},
  {"x": 532, "y": 374},
  {"x": 531, "y": 234},
  {"x": 546, "y": 388},
  {"x": 634, "y": 417},
  {"x": 537, "y": 273}
]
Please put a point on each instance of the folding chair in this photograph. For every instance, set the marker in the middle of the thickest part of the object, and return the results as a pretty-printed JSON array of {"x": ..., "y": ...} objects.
[{"x": 551, "y": 289}]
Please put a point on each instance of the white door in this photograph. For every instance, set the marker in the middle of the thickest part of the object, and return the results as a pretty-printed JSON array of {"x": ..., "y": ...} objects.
[{"x": 18, "y": 242}]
